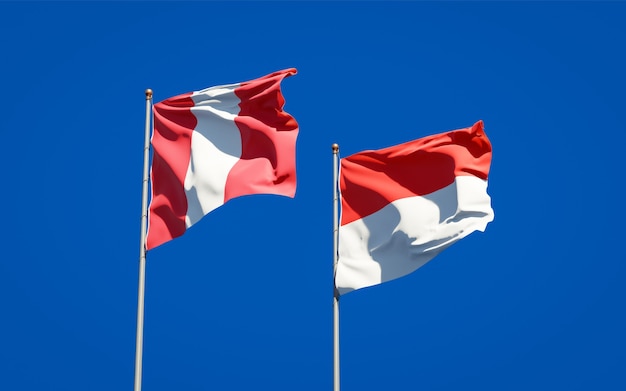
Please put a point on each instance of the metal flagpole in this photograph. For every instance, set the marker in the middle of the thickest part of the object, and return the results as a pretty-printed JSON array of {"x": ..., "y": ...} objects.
[
  {"x": 142, "y": 246},
  {"x": 335, "y": 255}
]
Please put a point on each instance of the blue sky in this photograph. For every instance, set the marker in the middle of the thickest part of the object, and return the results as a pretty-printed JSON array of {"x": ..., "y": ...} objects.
[{"x": 244, "y": 299}]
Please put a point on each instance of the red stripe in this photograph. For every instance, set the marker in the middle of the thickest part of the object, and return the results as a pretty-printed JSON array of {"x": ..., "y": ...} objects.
[
  {"x": 372, "y": 179},
  {"x": 268, "y": 140},
  {"x": 171, "y": 142}
]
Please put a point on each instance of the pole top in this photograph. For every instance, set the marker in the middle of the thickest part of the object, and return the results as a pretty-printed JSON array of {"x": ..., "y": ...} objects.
[
  {"x": 335, "y": 148},
  {"x": 148, "y": 94}
]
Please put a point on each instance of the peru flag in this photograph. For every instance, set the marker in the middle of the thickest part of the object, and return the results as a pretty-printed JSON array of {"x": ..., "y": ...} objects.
[
  {"x": 403, "y": 205},
  {"x": 212, "y": 145}
]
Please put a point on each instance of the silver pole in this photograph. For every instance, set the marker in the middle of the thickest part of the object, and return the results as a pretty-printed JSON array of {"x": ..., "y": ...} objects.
[
  {"x": 335, "y": 255},
  {"x": 142, "y": 246}
]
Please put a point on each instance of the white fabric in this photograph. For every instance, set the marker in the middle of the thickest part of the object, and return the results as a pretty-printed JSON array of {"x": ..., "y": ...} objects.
[
  {"x": 215, "y": 148},
  {"x": 409, "y": 232}
]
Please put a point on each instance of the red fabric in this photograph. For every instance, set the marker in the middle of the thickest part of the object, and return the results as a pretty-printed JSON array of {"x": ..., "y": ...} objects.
[
  {"x": 171, "y": 142},
  {"x": 268, "y": 140},
  {"x": 370, "y": 180}
]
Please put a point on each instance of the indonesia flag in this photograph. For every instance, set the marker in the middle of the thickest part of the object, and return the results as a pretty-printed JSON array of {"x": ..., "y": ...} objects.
[
  {"x": 212, "y": 145},
  {"x": 403, "y": 205}
]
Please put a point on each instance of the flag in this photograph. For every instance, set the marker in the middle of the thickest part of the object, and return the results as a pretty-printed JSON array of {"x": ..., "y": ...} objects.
[
  {"x": 212, "y": 145},
  {"x": 403, "y": 205}
]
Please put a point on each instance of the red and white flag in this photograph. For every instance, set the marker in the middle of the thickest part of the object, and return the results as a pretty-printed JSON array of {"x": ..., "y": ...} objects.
[
  {"x": 216, "y": 144},
  {"x": 403, "y": 205}
]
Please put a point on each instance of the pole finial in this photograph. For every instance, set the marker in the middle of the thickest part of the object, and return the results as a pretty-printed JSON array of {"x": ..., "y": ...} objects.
[
  {"x": 148, "y": 94},
  {"x": 335, "y": 148}
]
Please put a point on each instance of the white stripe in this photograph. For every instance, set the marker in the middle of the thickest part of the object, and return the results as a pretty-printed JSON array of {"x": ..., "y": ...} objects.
[
  {"x": 215, "y": 148},
  {"x": 409, "y": 232}
]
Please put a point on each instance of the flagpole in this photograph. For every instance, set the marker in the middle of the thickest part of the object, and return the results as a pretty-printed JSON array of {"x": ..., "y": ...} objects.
[
  {"x": 335, "y": 255},
  {"x": 142, "y": 246}
]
